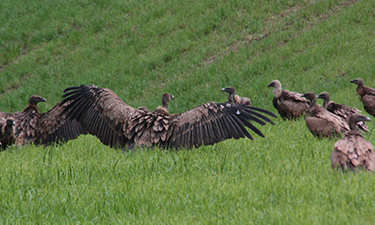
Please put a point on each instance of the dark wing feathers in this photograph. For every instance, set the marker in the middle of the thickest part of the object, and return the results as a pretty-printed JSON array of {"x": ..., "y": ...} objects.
[{"x": 115, "y": 123}]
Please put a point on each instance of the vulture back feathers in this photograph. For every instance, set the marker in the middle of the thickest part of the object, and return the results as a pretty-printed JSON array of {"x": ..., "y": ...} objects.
[
  {"x": 103, "y": 114},
  {"x": 341, "y": 110},
  {"x": 290, "y": 105},
  {"x": 235, "y": 98},
  {"x": 7, "y": 132},
  {"x": 353, "y": 151},
  {"x": 367, "y": 96},
  {"x": 43, "y": 128},
  {"x": 321, "y": 122}
]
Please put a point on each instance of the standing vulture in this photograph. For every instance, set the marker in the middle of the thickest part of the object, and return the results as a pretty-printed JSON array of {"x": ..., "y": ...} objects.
[
  {"x": 235, "y": 98},
  {"x": 353, "y": 151},
  {"x": 290, "y": 105},
  {"x": 367, "y": 95},
  {"x": 43, "y": 128},
  {"x": 6, "y": 132},
  {"x": 341, "y": 110},
  {"x": 103, "y": 114},
  {"x": 321, "y": 122}
]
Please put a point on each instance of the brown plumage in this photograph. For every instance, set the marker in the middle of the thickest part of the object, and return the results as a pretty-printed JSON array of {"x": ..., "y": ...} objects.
[
  {"x": 7, "y": 132},
  {"x": 353, "y": 151},
  {"x": 290, "y": 105},
  {"x": 321, "y": 122},
  {"x": 117, "y": 124},
  {"x": 341, "y": 110},
  {"x": 43, "y": 128},
  {"x": 235, "y": 98},
  {"x": 367, "y": 96}
]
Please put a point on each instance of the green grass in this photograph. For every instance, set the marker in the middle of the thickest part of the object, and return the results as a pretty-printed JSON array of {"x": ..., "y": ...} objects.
[{"x": 141, "y": 49}]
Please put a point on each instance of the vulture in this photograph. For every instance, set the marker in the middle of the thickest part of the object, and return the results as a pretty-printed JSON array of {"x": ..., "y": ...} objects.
[
  {"x": 235, "y": 98},
  {"x": 7, "y": 132},
  {"x": 103, "y": 114},
  {"x": 341, "y": 110},
  {"x": 367, "y": 95},
  {"x": 353, "y": 151},
  {"x": 290, "y": 105},
  {"x": 43, "y": 128},
  {"x": 321, "y": 122}
]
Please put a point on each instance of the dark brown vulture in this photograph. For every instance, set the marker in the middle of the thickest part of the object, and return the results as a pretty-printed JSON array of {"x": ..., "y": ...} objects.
[
  {"x": 290, "y": 105},
  {"x": 341, "y": 110},
  {"x": 367, "y": 96},
  {"x": 6, "y": 132},
  {"x": 321, "y": 122},
  {"x": 103, "y": 114},
  {"x": 353, "y": 151},
  {"x": 235, "y": 98},
  {"x": 43, "y": 128}
]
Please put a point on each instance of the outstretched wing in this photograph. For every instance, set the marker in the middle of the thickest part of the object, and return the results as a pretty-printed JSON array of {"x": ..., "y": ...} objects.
[
  {"x": 211, "y": 123},
  {"x": 54, "y": 126},
  {"x": 100, "y": 111}
]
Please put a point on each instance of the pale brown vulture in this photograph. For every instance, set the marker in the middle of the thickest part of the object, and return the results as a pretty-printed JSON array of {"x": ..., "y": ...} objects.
[
  {"x": 235, "y": 98},
  {"x": 290, "y": 105},
  {"x": 103, "y": 114},
  {"x": 341, "y": 110},
  {"x": 367, "y": 96},
  {"x": 353, "y": 151},
  {"x": 321, "y": 122},
  {"x": 6, "y": 132},
  {"x": 43, "y": 128}
]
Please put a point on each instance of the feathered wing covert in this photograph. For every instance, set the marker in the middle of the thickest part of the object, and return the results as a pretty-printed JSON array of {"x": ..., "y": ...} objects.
[{"x": 117, "y": 124}]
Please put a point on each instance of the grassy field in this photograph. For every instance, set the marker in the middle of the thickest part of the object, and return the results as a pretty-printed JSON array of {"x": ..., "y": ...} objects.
[{"x": 141, "y": 49}]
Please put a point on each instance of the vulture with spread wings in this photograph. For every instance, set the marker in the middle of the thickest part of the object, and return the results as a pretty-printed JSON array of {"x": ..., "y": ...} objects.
[
  {"x": 43, "y": 128},
  {"x": 103, "y": 114}
]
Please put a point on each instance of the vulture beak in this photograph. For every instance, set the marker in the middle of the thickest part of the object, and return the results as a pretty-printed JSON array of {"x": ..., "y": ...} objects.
[
  {"x": 303, "y": 95},
  {"x": 269, "y": 85},
  {"x": 42, "y": 100},
  {"x": 365, "y": 118},
  {"x": 353, "y": 81},
  {"x": 223, "y": 89},
  {"x": 319, "y": 96},
  {"x": 13, "y": 123},
  {"x": 172, "y": 97}
]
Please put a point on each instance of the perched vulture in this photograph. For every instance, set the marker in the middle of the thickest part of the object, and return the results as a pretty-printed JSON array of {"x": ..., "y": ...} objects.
[
  {"x": 353, "y": 151},
  {"x": 341, "y": 110},
  {"x": 103, "y": 114},
  {"x": 235, "y": 98},
  {"x": 290, "y": 105},
  {"x": 43, "y": 128},
  {"x": 321, "y": 122},
  {"x": 7, "y": 132},
  {"x": 367, "y": 95}
]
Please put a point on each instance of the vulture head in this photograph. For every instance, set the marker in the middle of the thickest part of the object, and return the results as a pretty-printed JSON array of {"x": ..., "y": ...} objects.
[
  {"x": 355, "y": 118},
  {"x": 325, "y": 96},
  {"x": 231, "y": 91},
  {"x": 277, "y": 87},
  {"x": 35, "y": 99},
  {"x": 165, "y": 99},
  {"x": 357, "y": 81},
  {"x": 310, "y": 96}
]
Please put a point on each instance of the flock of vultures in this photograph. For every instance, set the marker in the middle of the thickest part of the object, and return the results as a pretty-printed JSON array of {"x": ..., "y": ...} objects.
[{"x": 100, "y": 112}]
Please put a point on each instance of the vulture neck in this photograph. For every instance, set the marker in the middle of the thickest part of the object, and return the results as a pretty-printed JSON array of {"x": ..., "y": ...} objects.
[
  {"x": 325, "y": 103},
  {"x": 360, "y": 85},
  {"x": 231, "y": 97},
  {"x": 165, "y": 105},
  {"x": 277, "y": 90},
  {"x": 312, "y": 102},
  {"x": 31, "y": 108}
]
